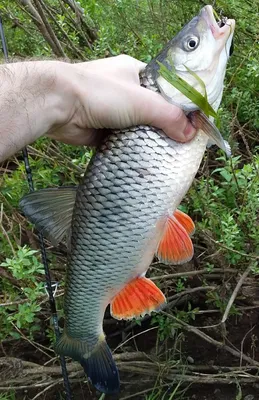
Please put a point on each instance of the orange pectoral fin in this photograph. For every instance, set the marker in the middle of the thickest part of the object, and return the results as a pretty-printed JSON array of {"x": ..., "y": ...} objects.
[
  {"x": 137, "y": 298},
  {"x": 176, "y": 246},
  {"x": 186, "y": 222}
]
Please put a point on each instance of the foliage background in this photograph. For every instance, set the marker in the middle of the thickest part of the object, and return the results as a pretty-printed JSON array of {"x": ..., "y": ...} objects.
[{"x": 223, "y": 200}]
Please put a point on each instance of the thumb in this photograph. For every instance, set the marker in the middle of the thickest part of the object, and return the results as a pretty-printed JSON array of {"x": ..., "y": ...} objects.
[{"x": 152, "y": 109}]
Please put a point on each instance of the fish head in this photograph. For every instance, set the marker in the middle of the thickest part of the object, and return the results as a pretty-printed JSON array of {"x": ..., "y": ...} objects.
[{"x": 202, "y": 49}]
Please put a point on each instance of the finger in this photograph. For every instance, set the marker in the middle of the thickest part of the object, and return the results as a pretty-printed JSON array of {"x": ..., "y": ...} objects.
[{"x": 152, "y": 109}]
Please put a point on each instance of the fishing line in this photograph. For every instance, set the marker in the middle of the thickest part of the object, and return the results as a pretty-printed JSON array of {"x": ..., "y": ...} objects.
[{"x": 49, "y": 284}]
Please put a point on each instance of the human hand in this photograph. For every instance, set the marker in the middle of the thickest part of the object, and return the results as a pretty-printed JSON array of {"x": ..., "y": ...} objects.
[
  {"x": 75, "y": 103},
  {"x": 106, "y": 93}
]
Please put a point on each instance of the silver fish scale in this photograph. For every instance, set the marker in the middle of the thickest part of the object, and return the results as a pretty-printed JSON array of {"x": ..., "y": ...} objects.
[{"x": 136, "y": 178}]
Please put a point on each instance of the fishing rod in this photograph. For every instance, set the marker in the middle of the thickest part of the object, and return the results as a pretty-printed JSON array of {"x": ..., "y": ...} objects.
[{"x": 49, "y": 285}]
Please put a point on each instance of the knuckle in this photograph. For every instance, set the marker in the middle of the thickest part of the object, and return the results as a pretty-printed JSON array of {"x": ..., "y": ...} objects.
[
  {"x": 125, "y": 58},
  {"x": 178, "y": 115}
]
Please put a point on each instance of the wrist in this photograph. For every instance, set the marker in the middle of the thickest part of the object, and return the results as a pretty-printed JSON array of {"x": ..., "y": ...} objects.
[{"x": 35, "y": 97}]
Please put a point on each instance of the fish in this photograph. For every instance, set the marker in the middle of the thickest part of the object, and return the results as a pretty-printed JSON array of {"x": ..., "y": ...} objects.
[{"x": 125, "y": 210}]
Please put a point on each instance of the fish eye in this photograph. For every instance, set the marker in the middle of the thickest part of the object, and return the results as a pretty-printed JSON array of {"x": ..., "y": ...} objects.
[{"x": 191, "y": 43}]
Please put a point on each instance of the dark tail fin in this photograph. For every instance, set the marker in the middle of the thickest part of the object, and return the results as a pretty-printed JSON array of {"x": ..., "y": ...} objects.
[
  {"x": 98, "y": 365},
  {"x": 101, "y": 369}
]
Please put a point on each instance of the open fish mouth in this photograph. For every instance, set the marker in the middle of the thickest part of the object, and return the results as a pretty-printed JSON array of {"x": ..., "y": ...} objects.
[{"x": 221, "y": 29}]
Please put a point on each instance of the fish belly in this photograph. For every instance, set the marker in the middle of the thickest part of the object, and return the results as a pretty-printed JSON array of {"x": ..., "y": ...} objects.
[{"x": 137, "y": 178}]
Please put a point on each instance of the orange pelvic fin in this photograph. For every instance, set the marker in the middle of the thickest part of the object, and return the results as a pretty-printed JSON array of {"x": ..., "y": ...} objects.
[
  {"x": 137, "y": 298},
  {"x": 176, "y": 246},
  {"x": 186, "y": 222}
]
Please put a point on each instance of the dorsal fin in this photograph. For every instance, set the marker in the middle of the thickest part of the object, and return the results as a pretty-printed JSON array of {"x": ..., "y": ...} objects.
[{"x": 51, "y": 211}]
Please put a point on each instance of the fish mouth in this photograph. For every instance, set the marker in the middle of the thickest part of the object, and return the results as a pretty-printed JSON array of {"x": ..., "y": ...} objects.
[{"x": 222, "y": 29}]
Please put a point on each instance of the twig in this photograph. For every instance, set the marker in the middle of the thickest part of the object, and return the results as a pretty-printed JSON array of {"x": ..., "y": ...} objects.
[
  {"x": 234, "y": 294},
  {"x": 33, "y": 13},
  {"x": 13, "y": 303},
  {"x": 38, "y": 346},
  {"x": 46, "y": 377},
  {"x": 34, "y": 386},
  {"x": 210, "y": 340},
  {"x": 59, "y": 49},
  {"x": 194, "y": 273},
  {"x": 45, "y": 390},
  {"x": 243, "y": 340},
  {"x": 134, "y": 336},
  {"x": 190, "y": 291},
  {"x": 3, "y": 229},
  {"x": 232, "y": 250},
  {"x": 91, "y": 31},
  {"x": 68, "y": 40},
  {"x": 7, "y": 275}
]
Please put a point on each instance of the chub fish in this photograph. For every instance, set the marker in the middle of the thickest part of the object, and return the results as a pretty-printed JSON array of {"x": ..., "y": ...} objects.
[{"x": 125, "y": 209}]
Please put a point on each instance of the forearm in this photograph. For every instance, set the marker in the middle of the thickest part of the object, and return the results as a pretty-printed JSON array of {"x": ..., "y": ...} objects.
[{"x": 31, "y": 103}]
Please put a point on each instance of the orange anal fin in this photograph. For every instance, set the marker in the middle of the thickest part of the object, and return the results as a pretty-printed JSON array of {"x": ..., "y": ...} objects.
[
  {"x": 186, "y": 222},
  {"x": 137, "y": 298},
  {"x": 176, "y": 246}
]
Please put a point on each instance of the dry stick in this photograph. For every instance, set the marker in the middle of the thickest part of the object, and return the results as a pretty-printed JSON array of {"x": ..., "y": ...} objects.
[
  {"x": 34, "y": 386},
  {"x": 247, "y": 308},
  {"x": 29, "y": 368},
  {"x": 243, "y": 341},
  {"x": 53, "y": 149},
  {"x": 38, "y": 5},
  {"x": 144, "y": 368},
  {"x": 234, "y": 294},
  {"x": 69, "y": 41},
  {"x": 45, "y": 390},
  {"x": 131, "y": 396},
  {"x": 194, "y": 273},
  {"x": 13, "y": 303},
  {"x": 190, "y": 291},
  {"x": 33, "y": 13},
  {"x": 15, "y": 21},
  {"x": 91, "y": 31},
  {"x": 29, "y": 10},
  {"x": 4, "y": 231},
  {"x": 232, "y": 250},
  {"x": 37, "y": 346},
  {"x": 210, "y": 340},
  {"x": 72, "y": 23},
  {"x": 134, "y": 336},
  {"x": 197, "y": 378},
  {"x": 43, "y": 298},
  {"x": 201, "y": 379},
  {"x": 7, "y": 275}
]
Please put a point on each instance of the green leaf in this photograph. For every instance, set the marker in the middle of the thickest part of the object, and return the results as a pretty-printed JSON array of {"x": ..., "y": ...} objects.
[
  {"x": 187, "y": 90},
  {"x": 29, "y": 317},
  {"x": 15, "y": 335},
  {"x": 226, "y": 175}
]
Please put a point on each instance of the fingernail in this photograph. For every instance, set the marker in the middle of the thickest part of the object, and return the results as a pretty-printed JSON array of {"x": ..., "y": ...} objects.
[{"x": 189, "y": 131}]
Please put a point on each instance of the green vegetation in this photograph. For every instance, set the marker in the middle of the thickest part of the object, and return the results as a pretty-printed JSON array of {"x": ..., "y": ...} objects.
[
  {"x": 24, "y": 267},
  {"x": 223, "y": 200}
]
